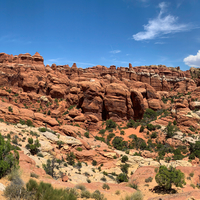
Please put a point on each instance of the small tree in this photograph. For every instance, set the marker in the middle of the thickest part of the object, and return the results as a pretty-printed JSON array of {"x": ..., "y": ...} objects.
[
  {"x": 170, "y": 130},
  {"x": 70, "y": 158},
  {"x": 110, "y": 124},
  {"x": 49, "y": 167},
  {"x": 166, "y": 177},
  {"x": 33, "y": 147},
  {"x": 59, "y": 143}
]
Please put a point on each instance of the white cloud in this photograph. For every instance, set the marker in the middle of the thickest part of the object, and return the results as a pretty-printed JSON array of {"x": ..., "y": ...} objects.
[
  {"x": 161, "y": 25},
  {"x": 193, "y": 61},
  {"x": 115, "y": 51},
  {"x": 159, "y": 43}
]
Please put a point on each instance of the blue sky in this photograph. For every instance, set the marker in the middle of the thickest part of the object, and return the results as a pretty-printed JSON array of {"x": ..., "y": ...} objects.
[{"x": 104, "y": 32}]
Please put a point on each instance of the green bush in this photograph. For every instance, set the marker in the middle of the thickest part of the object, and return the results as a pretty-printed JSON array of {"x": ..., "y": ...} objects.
[
  {"x": 85, "y": 194},
  {"x": 60, "y": 143},
  {"x": 34, "y": 175},
  {"x": 71, "y": 158},
  {"x": 45, "y": 191},
  {"x": 80, "y": 187},
  {"x": 94, "y": 162},
  {"x": 97, "y": 195},
  {"x": 118, "y": 143},
  {"x": 10, "y": 109},
  {"x": 151, "y": 127},
  {"x": 135, "y": 196},
  {"x": 166, "y": 177},
  {"x": 8, "y": 160},
  {"x": 147, "y": 180},
  {"x": 124, "y": 158},
  {"x": 102, "y": 131},
  {"x": 105, "y": 186},
  {"x": 49, "y": 167},
  {"x": 33, "y": 147},
  {"x": 132, "y": 124},
  {"x": 141, "y": 129},
  {"x": 170, "y": 130},
  {"x": 71, "y": 107},
  {"x": 122, "y": 178},
  {"x": 124, "y": 168},
  {"x": 79, "y": 149},
  {"x": 86, "y": 134},
  {"x": 110, "y": 124},
  {"x": 154, "y": 135},
  {"x": 42, "y": 129},
  {"x": 150, "y": 115},
  {"x": 29, "y": 123}
]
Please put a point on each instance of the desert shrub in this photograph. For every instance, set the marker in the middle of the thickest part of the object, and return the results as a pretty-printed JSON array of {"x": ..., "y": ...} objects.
[
  {"x": 85, "y": 194},
  {"x": 166, "y": 177},
  {"x": 154, "y": 135},
  {"x": 132, "y": 124},
  {"x": 135, "y": 196},
  {"x": 49, "y": 167},
  {"x": 8, "y": 160},
  {"x": 191, "y": 174},
  {"x": 110, "y": 124},
  {"x": 33, "y": 147},
  {"x": 194, "y": 150},
  {"x": 149, "y": 115},
  {"x": 97, "y": 195},
  {"x": 14, "y": 174},
  {"x": 102, "y": 131},
  {"x": 141, "y": 129},
  {"x": 133, "y": 184},
  {"x": 45, "y": 191},
  {"x": 151, "y": 127},
  {"x": 94, "y": 162},
  {"x": 100, "y": 138},
  {"x": 10, "y": 109},
  {"x": 103, "y": 179},
  {"x": 86, "y": 134},
  {"x": 164, "y": 100},
  {"x": 192, "y": 128},
  {"x": 34, "y": 175},
  {"x": 40, "y": 155},
  {"x": 117, "y": 192},
  {"x": 22, "y": 122},
  {"x": 71, "y": 107},
  {"x": 122, "y": 178},
  {"x": 122, "y": 132},
  {"x": 79, "y": 149},
  {"x": 71, "y": 158},
  {"x": 147, "y": 180},
  {"x": 124, "y": 158},
  {"x": 105, "y": 186},
  {"x": 110, "y": 136},
  {"x": 80, "y": 187},
  {"x": 170, "y": 130},
  {"x": 177, "y": 155},
  {"x": 29, "y": 122},
  {"x": 42, "y": 129},
  {"x": 60, "y": 143},
  {"x": 118, "y": 143},
  {"x": 15, "y": 190},
  {"x": 88, "y": 180}
]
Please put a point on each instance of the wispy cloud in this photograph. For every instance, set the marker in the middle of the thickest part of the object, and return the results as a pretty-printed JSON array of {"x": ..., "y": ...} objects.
[
  {"x": 13, "y": 39},
  {"x": 193, "y": 60},
  {"x": 159, "y": 43},
  {"x": 115, "y": 51},
  {"x": 179, "y": 3},
  {"x": 161, "y": 25}
]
